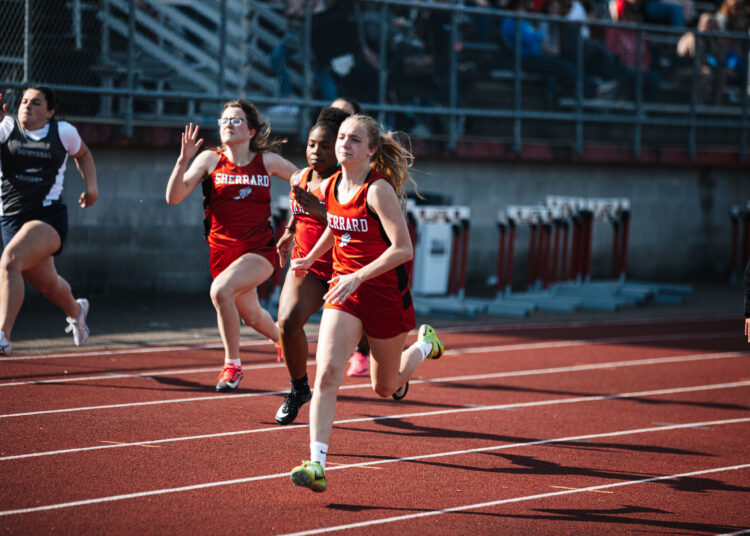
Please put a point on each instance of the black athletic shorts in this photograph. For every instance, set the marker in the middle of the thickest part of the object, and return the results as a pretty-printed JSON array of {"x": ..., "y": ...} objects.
[{"x": 54, "y": 215}]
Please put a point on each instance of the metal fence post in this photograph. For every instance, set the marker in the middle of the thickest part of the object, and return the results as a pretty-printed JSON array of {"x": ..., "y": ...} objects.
[
  {"x": 637, "y": 128},
  {"x": 697, "y": 53},
  {"x": 517, "y": 87},
  {"x": 27, "y": 38},
  {"x": 745, "y": 89},
  {"x": 579, "y": 91},
  {"x": 307, "y": 69},
  {"x": 128, "y": 126},
  {"x": 453, "y": 90},
  {"x": 77, "y": 30},
  {"x": 222, "y": 48},
  {"x": 383, "y": 52}
]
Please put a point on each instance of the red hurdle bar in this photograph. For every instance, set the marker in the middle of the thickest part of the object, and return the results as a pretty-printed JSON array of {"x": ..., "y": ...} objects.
[
  {"x": 502, "y": 231},
  {"x": 625, "y": 224}
]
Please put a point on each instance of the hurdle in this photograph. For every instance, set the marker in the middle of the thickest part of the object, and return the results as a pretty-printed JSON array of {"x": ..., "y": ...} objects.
[
  {"x": 740, "y": 252},
  {"x": 617, "y": 291},
  {"x": 440, "y": 259},
  {"x": 539, "y": 295}
]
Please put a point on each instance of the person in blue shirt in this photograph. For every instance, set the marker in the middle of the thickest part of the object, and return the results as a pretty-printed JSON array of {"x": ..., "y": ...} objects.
[{"x": 536, "y": 59}]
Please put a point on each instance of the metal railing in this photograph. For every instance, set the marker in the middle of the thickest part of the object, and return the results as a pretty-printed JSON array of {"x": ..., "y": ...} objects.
[{"x": 154, "y": 62}]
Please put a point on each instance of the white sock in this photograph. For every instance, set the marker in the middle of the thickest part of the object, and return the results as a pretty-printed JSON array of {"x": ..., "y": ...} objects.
[
  {"x": 318, "y": 453},
  {"x": 425, "y": 348},
  {"x": 236, "y": 362}
]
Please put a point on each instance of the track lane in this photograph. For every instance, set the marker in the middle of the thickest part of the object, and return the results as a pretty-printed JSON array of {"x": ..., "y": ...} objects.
[{"x": 524, "y": 470}]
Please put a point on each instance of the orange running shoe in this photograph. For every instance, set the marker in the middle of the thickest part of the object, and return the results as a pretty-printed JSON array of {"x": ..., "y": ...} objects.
[{"x": 229, "y": 378}]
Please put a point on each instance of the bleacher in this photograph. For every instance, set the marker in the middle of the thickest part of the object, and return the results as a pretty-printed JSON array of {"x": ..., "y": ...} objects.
[{"x": 179, "y": 60}]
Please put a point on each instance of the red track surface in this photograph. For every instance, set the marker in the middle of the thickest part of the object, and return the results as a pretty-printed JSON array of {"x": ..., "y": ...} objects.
[{"x": 640, "y": 427}]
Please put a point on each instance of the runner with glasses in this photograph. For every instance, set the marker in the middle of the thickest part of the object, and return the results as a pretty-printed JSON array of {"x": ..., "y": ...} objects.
[{"x": 237, "y": 206}]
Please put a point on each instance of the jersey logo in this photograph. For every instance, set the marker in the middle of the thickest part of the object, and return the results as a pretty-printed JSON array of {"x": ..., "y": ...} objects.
[
  {"x": 244, "y": 192},
  {"x": 345, "y": 239}
]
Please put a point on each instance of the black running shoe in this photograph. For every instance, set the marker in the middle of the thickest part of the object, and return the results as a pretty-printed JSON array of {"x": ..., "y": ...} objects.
[
  {"x": 401, "y": 392},
  {"x": 292, "y": 403}
]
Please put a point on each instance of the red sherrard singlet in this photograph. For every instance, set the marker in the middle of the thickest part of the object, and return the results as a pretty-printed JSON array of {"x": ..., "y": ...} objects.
[
  {"x": 383, "y": 303},
  {"x": 308, "y": 230},
  {"x": 237, "y": 204}
]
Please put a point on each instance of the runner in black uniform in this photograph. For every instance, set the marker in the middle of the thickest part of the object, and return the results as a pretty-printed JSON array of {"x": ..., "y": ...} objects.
[{"x": 34, "y": 150}]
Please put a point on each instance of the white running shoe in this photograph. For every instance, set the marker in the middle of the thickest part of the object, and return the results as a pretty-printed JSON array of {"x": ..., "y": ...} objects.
[
  {"x": 78, "y": 325},
  {"x": 4, "y": 344}
]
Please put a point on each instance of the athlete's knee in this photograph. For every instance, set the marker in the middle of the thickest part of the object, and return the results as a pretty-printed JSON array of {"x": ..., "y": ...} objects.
[
  {"x": 384, "y": 389},
  {"x": 327, "y": 380},
  {"x": 290, "y": 321},
  {"x": 220, "y": 294},
  {"x": 10, "y": 261},
  {"x": 251, "y": 317}
]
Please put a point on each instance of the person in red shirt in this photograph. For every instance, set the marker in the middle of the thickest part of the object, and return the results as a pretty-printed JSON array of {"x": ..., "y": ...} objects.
[
  {"x": 369, "y": 291},
  {"x": 237, "y": 204},
  {"x": 302, "y": 296},
  {"x": 624, "y": 43}
]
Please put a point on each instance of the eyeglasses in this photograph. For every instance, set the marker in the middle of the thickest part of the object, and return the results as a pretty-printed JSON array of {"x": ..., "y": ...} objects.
[{"x": 234, "y": 121}]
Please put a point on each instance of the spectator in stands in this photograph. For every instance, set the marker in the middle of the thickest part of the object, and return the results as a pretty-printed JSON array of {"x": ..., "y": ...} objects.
[
  {"x": 715, "y": 60},
  {"x": 624, "y": 44},
  {"x": 342, "y": 53},
  {"x": 236, "y": 183},
  {"x": 34, "y": 149},
  {"x": 663, "y": 12},
  {"x": 349, "y": 105},
  {"x": 292, "y": 41},
  {"x": 538, "y": 60},
  {"x": 732, "y": 16},
  {"x": 597, "y": 60}
]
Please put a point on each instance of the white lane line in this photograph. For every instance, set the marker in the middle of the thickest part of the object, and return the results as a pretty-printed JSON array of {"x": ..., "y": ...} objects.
[
  {"x": 285, "y": 474},
  {"x": 555, "y": 370},
  {"x": 140, "y": 375},
  {"x": 135, "y": 350},
  {"x": 447, "y": 329},
  {"x": 499, "y": 502},
  {"x": 499, "y": 407},
  {"x": 649, "y": 321},
  {"x": 460, "y": 351},
  {"x": 591, "y": 342}
]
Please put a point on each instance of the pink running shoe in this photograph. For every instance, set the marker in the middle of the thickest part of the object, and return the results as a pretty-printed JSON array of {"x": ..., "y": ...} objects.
[
  {"x": 279, "y": 357},
  {"x": 359, "y": 364}
]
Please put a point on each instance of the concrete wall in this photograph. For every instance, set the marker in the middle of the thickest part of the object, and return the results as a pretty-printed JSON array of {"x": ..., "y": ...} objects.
[{"x": 131, "y": 240}]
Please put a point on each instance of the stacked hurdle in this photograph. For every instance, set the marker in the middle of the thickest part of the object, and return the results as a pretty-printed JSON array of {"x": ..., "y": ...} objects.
[
  {"x": 740, "y": 253},
  {"x": 559, "y": 275},
  {"x": 441, "y": 237}
]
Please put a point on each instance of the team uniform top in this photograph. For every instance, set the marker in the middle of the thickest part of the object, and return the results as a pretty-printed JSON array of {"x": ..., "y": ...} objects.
[
  {"x": 33, "y": 164},
  {"x": 359, "y": 237},
  {"x": 237, "y": 204},
  {"x": 308, "y": 230}
]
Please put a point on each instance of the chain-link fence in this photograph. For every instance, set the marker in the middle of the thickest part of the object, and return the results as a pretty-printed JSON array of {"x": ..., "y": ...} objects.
[{"x": 443, "y": 70}]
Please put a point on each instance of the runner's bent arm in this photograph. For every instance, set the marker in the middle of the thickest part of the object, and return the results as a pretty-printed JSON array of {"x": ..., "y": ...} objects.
[
  {"x": 279, "y": 166},
  {"x": 183, "y": 181},
  {"x": 382, "y": 199},
  {"x": 85, "y": 164}
]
